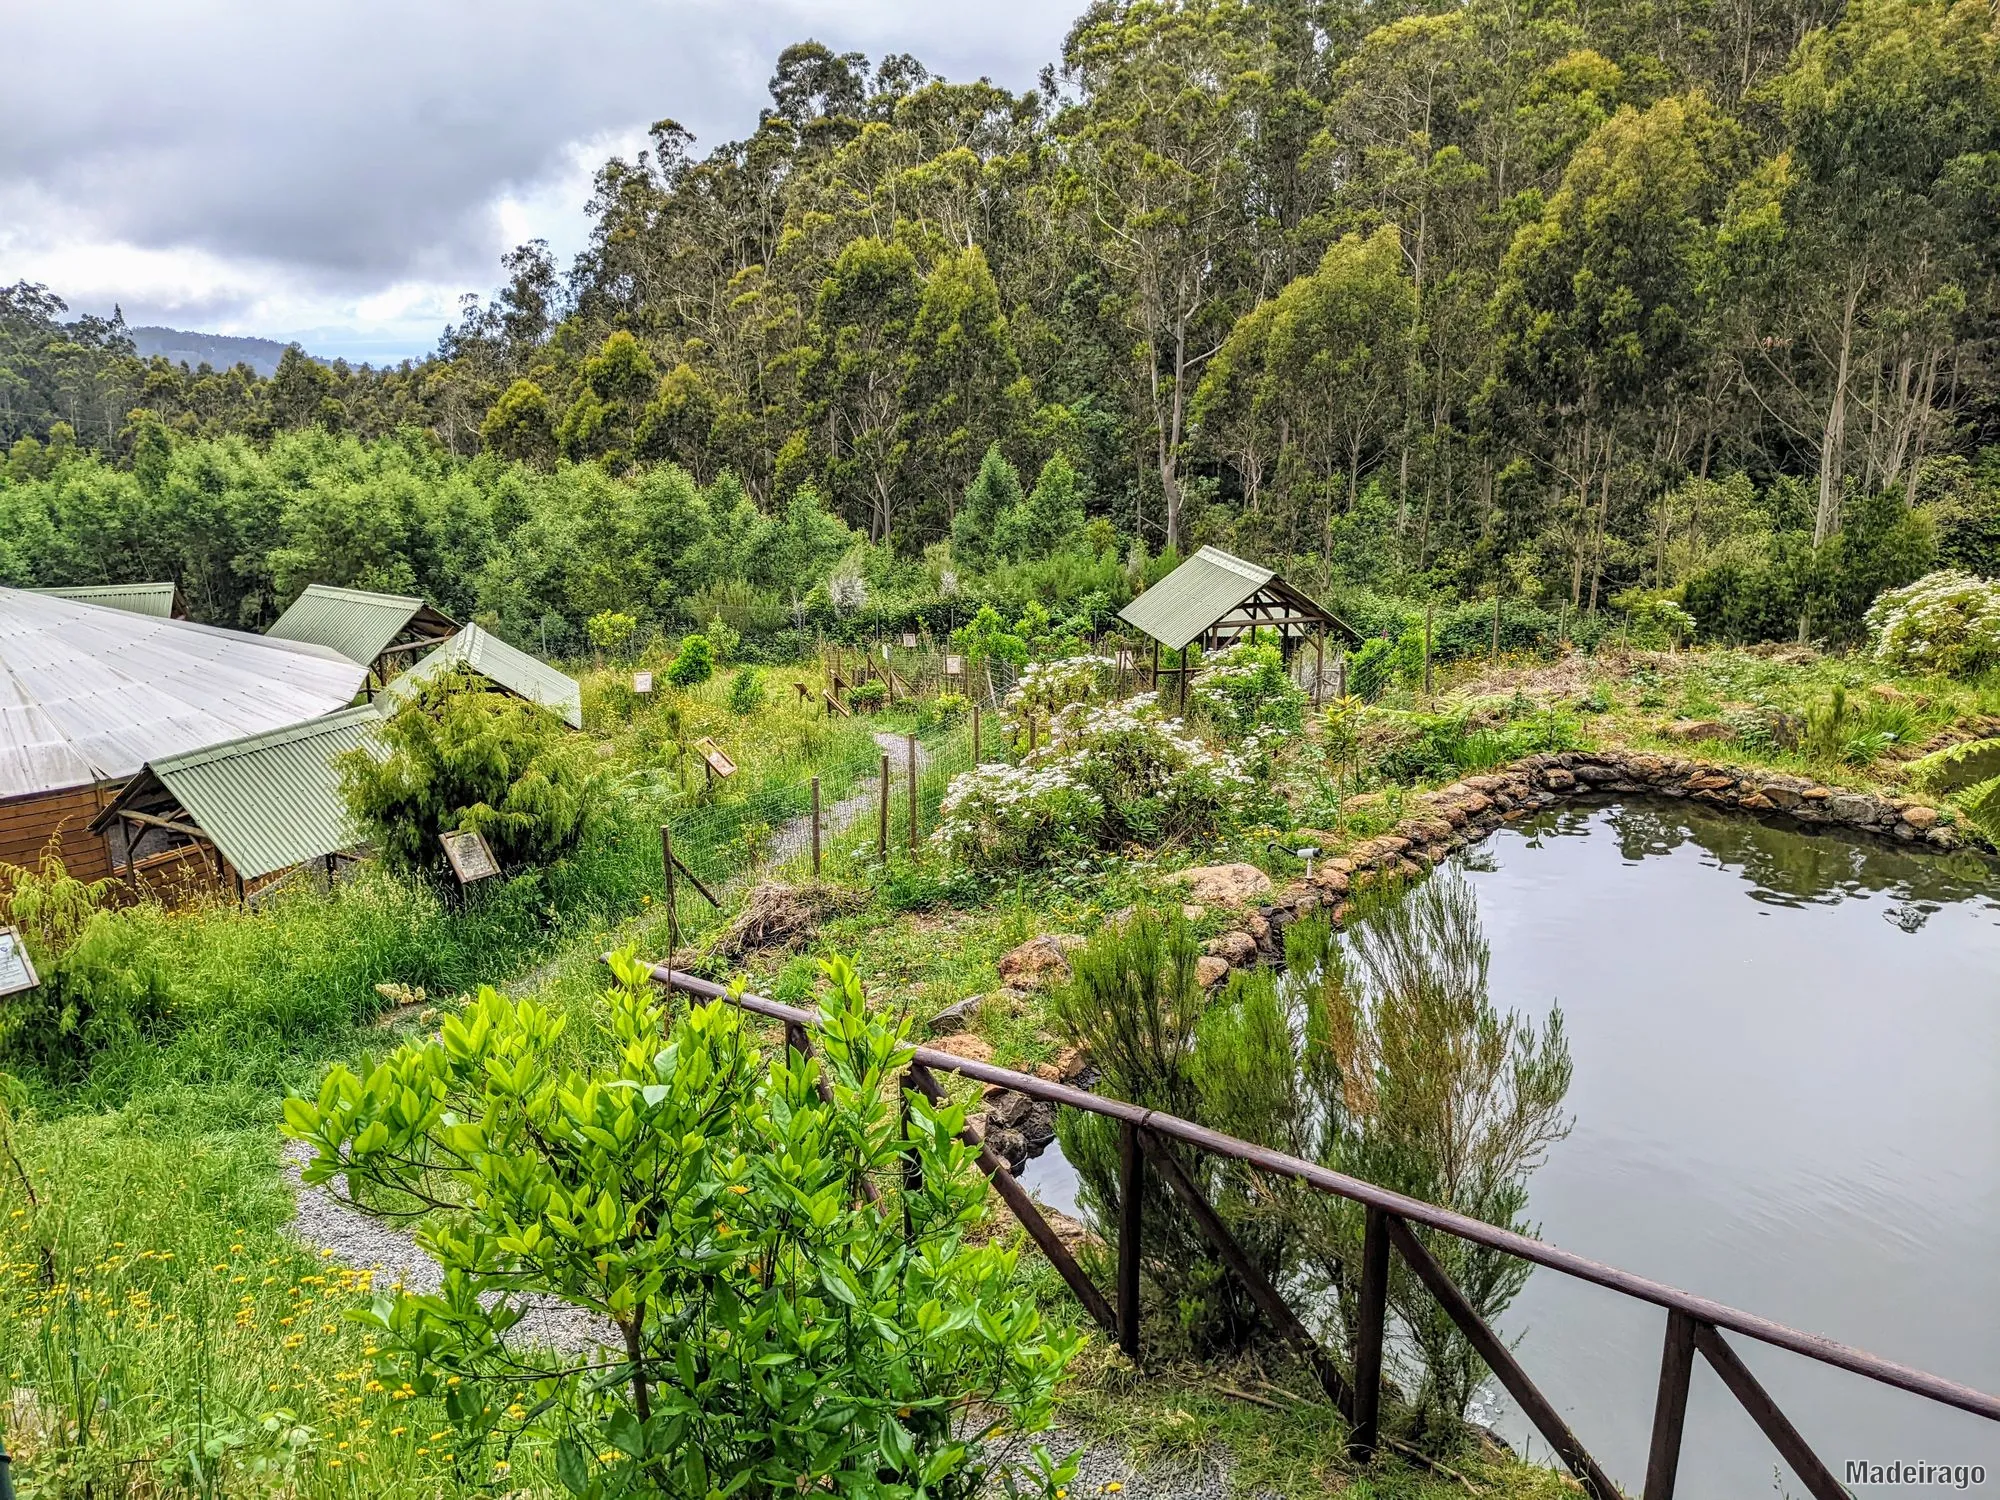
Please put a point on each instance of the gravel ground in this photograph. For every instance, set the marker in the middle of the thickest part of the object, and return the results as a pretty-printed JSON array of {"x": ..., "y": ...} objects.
[{"x": 327, "y": 1221}]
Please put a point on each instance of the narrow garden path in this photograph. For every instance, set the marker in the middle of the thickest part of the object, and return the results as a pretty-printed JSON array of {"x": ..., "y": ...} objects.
[{"x": 793, "y": 837}]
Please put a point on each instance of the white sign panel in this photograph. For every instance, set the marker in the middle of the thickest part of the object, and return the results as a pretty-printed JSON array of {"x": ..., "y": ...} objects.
[{"x": 17, "y": 970}]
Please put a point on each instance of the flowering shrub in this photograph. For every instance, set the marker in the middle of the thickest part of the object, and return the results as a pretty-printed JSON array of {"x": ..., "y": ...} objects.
[
  {"x": 1945, "y": 622},
  {"x": 998, "y": 816},
  {"x": 1110, "y": 774},
  {"x": 1247, "y": 690},
  {"x": 1049, "y": 687}
]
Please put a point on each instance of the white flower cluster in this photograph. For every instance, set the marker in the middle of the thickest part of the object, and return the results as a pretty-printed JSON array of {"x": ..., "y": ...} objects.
[
  {"x": 1049, "y": 686},
  {"x": 1945, "y": 622}
]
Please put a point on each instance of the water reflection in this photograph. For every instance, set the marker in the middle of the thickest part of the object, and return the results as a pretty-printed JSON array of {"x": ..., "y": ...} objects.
[{"x": 1789, "y": 1102}]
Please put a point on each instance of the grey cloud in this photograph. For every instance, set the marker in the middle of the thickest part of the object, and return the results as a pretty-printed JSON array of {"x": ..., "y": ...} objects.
[{"x": 358, "y": 142}]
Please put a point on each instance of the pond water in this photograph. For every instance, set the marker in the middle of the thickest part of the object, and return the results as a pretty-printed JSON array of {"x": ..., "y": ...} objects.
[{"x": 1786, "y": 1097}]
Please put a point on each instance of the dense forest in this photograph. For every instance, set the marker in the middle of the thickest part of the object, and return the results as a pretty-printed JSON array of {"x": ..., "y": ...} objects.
[{"x": 1562, "y": 303}]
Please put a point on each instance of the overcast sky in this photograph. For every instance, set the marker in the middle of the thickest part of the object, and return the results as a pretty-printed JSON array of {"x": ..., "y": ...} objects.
[{"x": 339, "y": 171}]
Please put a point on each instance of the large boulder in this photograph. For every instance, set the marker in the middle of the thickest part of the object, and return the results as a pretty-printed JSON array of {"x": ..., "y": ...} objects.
[
  {"x": 1224, "y": 885},
  {"x": 1039, "y": 961}
]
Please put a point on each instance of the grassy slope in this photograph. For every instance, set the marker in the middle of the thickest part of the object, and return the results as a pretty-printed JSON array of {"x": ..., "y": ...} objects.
[{"x": 183, "y": 1317}]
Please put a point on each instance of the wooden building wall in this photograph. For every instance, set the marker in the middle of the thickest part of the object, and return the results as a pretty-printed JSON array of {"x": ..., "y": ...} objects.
[{"x": 28, "y": 823}]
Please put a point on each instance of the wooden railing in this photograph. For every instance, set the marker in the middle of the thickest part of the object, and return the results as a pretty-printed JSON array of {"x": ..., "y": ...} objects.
[{"x": 1694, "y": 1324}]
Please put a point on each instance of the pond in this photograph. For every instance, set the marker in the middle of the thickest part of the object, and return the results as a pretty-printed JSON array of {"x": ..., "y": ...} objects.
[{"x": 1786, "y": 1097}]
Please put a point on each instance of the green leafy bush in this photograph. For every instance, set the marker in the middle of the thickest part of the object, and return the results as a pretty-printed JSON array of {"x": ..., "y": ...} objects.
[
  {"x": 746, "y": 691},
  {"x": 1246, "y": 690},
  {"x": 776, "y": 1332},
  {"x": 1369, "y": 668},
  {"x": 949, "y": 708},
  {"x": 693, "y": 664},
  {"x": 998, "y": 817},
  {"x": 462, "y": 758},
  {"x": 866, "y": 697},
  {"x": 1945, "y": 622},
  {"x": 101, "y": 980}
]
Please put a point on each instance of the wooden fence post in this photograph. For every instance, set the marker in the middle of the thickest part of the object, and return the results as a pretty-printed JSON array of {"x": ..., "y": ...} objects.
[
  {"x": 815, "y": 828},
  {"x": 1363, "y": 1436},
  {"x": 1663, "y": 1462},
  {"x": 1427, "y": 648},
  {"x": 975, "y": 731},
  {"x": 1131, "y": 1201},
  {"x": 910, "y": 749},
  {"x": 1496, "y": 625},
  {"x": 673, "y": 910},
  {"x": 882, "y": 813}
]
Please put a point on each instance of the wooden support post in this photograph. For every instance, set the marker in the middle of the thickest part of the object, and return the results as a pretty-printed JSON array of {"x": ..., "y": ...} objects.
[
  {"x": 1500, "y": 1360},
  {"x": 975, "y": 731},
  {"x": 1131, "y": 1203},
  {"x": 882, "y": 813},
  {"x": 910, "y": 750},
  {"x": 1023, "y": 1209},
  {"x": 1670, "y": 1407},
  {"x": 1365, "y": 1433},
  {"x": 1764, "y": 1412},
  {"x": 815, "y": 828},
  {"x": 1267, "y": 1297},
  {"x": 913, "y": 1166},
  {"x": 1156, "y": 667},
  {"x": 1031, "y": 731},
  {"x": 1319, "y": 665},
  {"x": 1496, "y": 625},
  {"x": 673, "y": 910}
]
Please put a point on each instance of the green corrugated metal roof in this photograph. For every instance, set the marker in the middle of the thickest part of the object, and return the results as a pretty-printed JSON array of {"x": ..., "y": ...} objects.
[
  {"x": 504, "y": 666},
  {"x": 271, "y": 801},
  {"x": 1194, "y": 596},
  {"x": 357, "y": 624},
  {"x": 155, "y": 599}
]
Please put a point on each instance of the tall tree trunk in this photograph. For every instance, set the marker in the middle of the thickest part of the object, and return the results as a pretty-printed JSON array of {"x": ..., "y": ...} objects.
[{"x": 1833, "y": 440}]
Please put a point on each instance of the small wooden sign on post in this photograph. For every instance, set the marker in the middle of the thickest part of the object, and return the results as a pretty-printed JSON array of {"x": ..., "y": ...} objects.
[
  {"x": 954, "y": 666},
  {"x": 469, "y": 856},
  {"x": 17, "y": 970},
  {"x": 720, "y": 766},
  {"x": 642, "y": 683},
  {"x": 909, "y": 640}
]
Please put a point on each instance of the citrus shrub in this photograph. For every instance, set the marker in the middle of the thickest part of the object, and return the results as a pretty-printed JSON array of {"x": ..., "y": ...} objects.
[
  {"x": 693, "y": 664},
  {"x": 767, "y": 1329},
  {"x": 1946, "y": 622}
]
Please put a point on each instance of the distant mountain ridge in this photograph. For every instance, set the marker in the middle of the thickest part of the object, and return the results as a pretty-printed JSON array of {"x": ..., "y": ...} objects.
[{"x": 220, "y": 350}]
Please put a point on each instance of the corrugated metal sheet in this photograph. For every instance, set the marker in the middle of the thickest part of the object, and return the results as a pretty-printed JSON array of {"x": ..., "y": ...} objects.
[
  {"x": 90, "y": 694},
  {"x": 505, "y": 667},
  {"x": 156, "y": 599},
  {"x": 270, "y": 801},
  {"x": 353, "y": 622},
  {"x": 1194, "y": 596}
]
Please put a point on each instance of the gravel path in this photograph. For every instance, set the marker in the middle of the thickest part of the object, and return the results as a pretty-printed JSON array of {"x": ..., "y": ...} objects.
[
  {"x": 326, "y": 1220},
  {"x": 793, "y": 837}
]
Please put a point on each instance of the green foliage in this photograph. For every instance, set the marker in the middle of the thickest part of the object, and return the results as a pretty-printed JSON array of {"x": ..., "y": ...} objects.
[
  {"x": 1945, "y": 622},
  {"x": 746, "y": 691},
  {"x": 1957, "y": 766},
  {"x": 1248, "y": 691},
  {"x": 1418, "y": 747},
  {"x": 866, "y": 697},
  {"x": 101, "y": 985},
  {"x": 463, "y": 759},
  {"x": 1369, "y": 668},
  {"x": 693, "y": 664},
  {"x": 987, "y": 515},
  {"x": 609, "y": 631},
  {"x": 704, "y": 1200}
]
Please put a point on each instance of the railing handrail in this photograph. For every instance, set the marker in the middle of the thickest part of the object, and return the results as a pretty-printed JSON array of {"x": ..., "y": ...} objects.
[{"x": 1477, "y": 1231}]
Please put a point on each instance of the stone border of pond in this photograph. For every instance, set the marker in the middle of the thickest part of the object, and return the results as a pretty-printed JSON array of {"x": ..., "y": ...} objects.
[{"x": 1462, "y": 814}]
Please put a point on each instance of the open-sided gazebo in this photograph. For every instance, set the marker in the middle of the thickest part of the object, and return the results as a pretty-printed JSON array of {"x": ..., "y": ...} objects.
[
  {"x": 383, "y": 632},
  {"x": 1217, "y": 599}
]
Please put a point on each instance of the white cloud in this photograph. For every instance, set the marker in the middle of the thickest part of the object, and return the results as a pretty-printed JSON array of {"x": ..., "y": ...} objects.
[{"x": 347, "y": 169}]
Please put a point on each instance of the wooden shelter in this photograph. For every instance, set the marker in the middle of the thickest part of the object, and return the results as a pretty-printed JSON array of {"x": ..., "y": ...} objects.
[
  {"x": 383, "y": 632},
  {"x": 508, "y": 668},
  {"x": 241, "y": 813},
  {"x": 1216, "y": 599},
  {"x": 90, "y": 693}
]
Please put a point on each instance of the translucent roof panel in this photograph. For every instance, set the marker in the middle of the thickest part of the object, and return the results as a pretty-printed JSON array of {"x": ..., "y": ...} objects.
[{"x": 90, "y": 694}]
